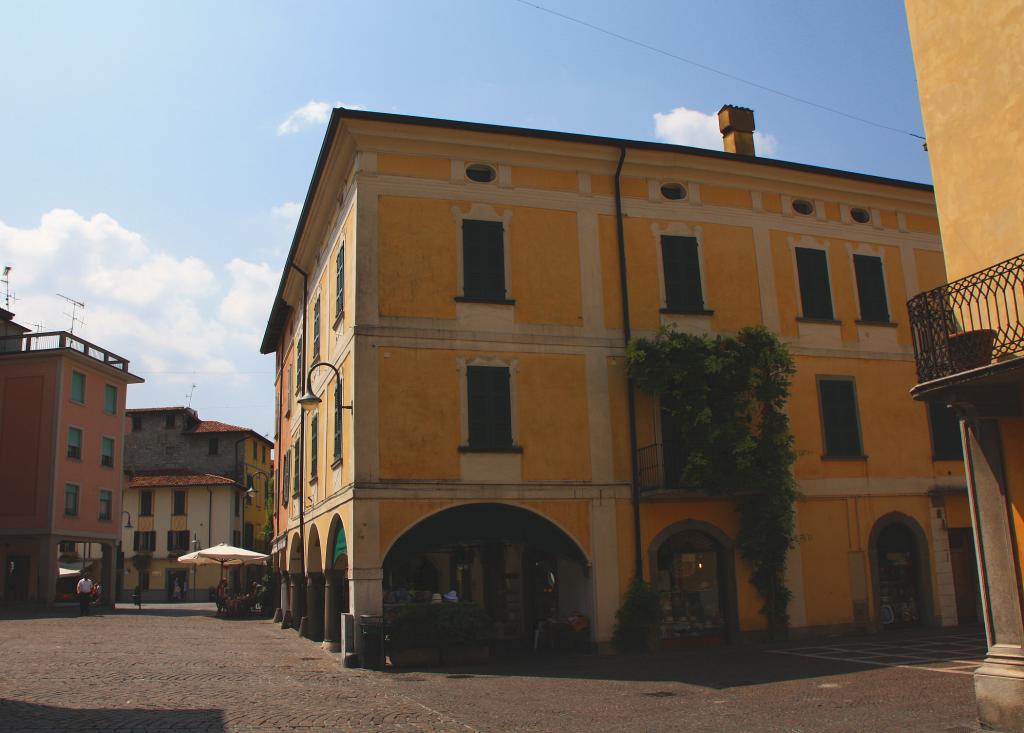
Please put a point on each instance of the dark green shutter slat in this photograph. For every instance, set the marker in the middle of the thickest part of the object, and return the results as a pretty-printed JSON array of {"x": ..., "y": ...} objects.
[
  {"x": 483, "y": 257},
  {"x": 815, "y": 292},
  {"x": 945, "y": 425},
  {"x": 839, "y": 413},
  {"x": 871, "y": 288},
  {"x": 681, "y": 267},
  {"x": 490, "y": 407}
]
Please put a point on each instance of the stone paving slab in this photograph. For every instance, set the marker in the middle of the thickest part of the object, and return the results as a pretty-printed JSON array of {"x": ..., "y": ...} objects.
[{"x": 177, "y": 668}]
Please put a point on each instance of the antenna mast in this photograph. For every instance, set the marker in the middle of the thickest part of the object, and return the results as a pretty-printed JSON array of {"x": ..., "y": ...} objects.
[
  {"x": 6, "y": 280},
  {"x": 73, "y": 315}
]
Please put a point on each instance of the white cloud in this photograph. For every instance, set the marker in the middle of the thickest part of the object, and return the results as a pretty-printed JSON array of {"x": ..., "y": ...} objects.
[
  {"x": 311, "y": 113},
  {"x": 289, "y": 211},
  {"x": 178, "y": 316},
  {"x": 691, "y": 127}
]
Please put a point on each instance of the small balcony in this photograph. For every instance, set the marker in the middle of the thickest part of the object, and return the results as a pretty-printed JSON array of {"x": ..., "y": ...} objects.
[
  {"x": 56, "y": 341},
  {"x": 971, "y": 326},
  {"x": 656, "y": 470}
]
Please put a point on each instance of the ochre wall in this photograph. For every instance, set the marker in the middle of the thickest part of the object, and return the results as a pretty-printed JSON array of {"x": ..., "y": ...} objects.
[
  {"x": 968, "y": 60},
  {"x": 420, "y": 428}
]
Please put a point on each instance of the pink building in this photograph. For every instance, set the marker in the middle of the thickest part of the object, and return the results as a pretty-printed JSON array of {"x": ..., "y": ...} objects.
[{"x": 62, "y": 402}]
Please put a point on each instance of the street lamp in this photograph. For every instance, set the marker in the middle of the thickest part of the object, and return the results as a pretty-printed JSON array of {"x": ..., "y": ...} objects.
[
  {"x": 309, "y": 399},
  {"x": 128, "y": 524}
]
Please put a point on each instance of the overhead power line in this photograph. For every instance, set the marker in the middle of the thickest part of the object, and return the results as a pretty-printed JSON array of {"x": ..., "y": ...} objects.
[{"x": 713, "y": 70}]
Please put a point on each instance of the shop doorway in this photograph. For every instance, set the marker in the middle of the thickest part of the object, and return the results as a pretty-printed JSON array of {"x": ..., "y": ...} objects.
[
  {"x": 898, "y": 570},
  {"x": 17, "y": 579},
  {"x": 177, "y": 585},
  {"x": 965, "y": 575},
  {"x": 692, "y": 581}
]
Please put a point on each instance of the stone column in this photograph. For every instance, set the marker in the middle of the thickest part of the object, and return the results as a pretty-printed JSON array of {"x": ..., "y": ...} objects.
[
  {"x": 46, "y": 574},
  {"x": 999, "y": 681},
  {"x": 108, "y": 575},
  {"x": 365, "y": 596},
  {"x": 294, "y": 594},
  {"x": 332, "y": 610},
  {"x": 282, "y": 605}
]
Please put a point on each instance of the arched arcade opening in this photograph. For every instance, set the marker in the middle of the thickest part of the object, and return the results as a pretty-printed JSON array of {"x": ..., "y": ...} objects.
[{"x": 529, "y": 576}]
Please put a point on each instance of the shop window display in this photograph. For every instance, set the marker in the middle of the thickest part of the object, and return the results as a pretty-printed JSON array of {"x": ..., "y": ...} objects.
[{"x": 690, "y": 589}]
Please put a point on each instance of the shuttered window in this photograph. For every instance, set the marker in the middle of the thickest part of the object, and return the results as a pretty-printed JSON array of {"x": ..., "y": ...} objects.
[
  {"x": 286, "y": 478},
  {"x": 871, "y": 288},
  {"x": 815, "y": 293},
  {"x": 339, "y": 281},
  {"x": 945, "y": 425},
  {"x": 681, "y": 268},
  {"x": 337, "y": 423},
  {"x": 316, "y": 329},
  {"x": 145, "y": 541},
  {"x": 145, "y": 503},
  {"x": 839, "y": 418},
  {"x": 177, "y": 540},
  {"x": 490, "y": 408},
  {"x": 483, "y": 259},
  {"x": 314, "y": 429}
]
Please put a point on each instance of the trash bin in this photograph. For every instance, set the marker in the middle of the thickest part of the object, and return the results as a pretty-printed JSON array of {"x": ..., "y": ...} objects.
[{"x": 372, "y": 630}]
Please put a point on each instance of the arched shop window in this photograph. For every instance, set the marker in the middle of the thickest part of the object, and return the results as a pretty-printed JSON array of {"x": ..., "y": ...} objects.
[{"x": 690, "y": 587}]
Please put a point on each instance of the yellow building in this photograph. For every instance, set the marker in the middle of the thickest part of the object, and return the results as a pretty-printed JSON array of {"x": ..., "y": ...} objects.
[
  {"x": 467, "y": 281},
  {"x": 970, "y": 333}
]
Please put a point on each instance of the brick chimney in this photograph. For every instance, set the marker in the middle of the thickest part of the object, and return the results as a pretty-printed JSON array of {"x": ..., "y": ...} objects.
[{"x": 737, "y": 127}]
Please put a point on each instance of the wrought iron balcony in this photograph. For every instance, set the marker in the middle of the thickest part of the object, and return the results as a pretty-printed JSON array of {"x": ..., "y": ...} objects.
[
  {"x": 969, "y": 323},
  {"x": 57, "y": 340},
  {"x": 657, "y": 469}
]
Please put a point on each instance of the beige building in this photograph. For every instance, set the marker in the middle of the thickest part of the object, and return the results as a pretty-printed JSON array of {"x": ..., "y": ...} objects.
[{"x": 176, "y": 513}]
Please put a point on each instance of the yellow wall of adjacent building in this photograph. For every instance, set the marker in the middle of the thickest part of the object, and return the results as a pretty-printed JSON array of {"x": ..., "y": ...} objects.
[
  {"x": 550, "y": 413},
  {"x": 416, "y": 166},
  {"x": 971, "y": 99},
  {"x": 545, "y": 265}
]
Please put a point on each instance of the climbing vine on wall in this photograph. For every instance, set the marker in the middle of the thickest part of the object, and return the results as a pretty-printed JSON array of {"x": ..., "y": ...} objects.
[{"x": 727, "y": 396}]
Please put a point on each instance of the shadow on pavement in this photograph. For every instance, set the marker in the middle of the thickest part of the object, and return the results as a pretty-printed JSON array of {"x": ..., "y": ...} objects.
[
  {"x": 717, "y": 668},
  {"x": 23, "y": 716}
]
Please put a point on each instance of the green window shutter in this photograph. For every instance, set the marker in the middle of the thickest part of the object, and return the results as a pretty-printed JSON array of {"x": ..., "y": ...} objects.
[
  {"x": 316, "y": 329},
  {"x": 110, "y": 399},
  {"x": 483, "y": 259},
  {"x": 339, "y": 281},
  {"x": 314, "y": 424},
  {"x": 839, "y": 415},
  {"x": 490, "y": 407},
  {"x": 337, "y": 422},
  {"x": 871, "y": 288},
  {"x": 815, "y": 292},
  {"x": 945, "y": 424},
  {"x": 681, "y": 267}
]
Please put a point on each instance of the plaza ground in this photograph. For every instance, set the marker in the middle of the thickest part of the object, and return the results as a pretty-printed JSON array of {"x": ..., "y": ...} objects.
[{"x": 179, "y": 668}]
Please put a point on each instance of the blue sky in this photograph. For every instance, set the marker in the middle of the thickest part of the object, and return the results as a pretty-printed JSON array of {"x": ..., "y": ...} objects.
[{"x": 148, "y": 170}]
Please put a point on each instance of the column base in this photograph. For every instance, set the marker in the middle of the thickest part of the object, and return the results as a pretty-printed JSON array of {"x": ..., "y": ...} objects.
[
  {"x": 278, "y": 616},
  {"x": 286, "y": 620},
  {"x": 304, "y": 627},
  {"x": 334, "y": 647},
  {"x": 999, "y": 688}
]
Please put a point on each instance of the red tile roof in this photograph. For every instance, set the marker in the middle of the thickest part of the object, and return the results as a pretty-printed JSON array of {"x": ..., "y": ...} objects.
[
  {"x": 146, "y": 479},
  {"x": 213, "y": 426}
]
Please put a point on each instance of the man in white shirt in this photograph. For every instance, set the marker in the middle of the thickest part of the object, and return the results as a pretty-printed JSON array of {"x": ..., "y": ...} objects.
[{"x": 84, "y": 589}]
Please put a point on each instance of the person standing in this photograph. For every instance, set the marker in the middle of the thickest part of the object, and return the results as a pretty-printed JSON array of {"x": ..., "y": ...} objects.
[{"x": 84, "y": 590}]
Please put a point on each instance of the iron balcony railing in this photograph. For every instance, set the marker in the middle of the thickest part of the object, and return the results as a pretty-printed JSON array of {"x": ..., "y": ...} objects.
[
  {"x": 648, "y": 467},
  {"x": 56, "y": 340},
  {"x": 970, "y": 322}
]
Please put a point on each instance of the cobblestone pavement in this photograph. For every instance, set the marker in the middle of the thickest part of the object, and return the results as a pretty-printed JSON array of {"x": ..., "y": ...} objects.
[{"x": 179, "y": 668}]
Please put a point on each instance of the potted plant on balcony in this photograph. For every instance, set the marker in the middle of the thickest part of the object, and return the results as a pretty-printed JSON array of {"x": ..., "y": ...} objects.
[{"x": 971, "y": 349}]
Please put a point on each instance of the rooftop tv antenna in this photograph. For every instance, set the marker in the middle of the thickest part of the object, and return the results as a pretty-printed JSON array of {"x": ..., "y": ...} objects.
[
  {"x": 6, "y": 280},
  {"x": 190, "y": 393},
  {"x": 73, "y": 315}
]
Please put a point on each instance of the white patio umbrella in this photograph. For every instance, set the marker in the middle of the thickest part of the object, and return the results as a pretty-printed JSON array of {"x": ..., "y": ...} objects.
[{"x": 223, "y": 555}]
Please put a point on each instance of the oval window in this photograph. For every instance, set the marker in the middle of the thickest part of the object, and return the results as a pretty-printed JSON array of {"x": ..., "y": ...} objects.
[
  {"x": 861, "y": 216},
  {"x": 480, "y": 172},
  {"x": 673, "y": 191},
  {"x": 803, "y": 207}
]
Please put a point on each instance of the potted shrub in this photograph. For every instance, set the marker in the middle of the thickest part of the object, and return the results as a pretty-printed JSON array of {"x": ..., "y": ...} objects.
[
  {"x": 464, "y": 630},
  {"x": 971, "y": 349},
  {"x": 428, "y": 634},
  {"x": 411, "y": 637},
  {"x": 636, "y": 622}
]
